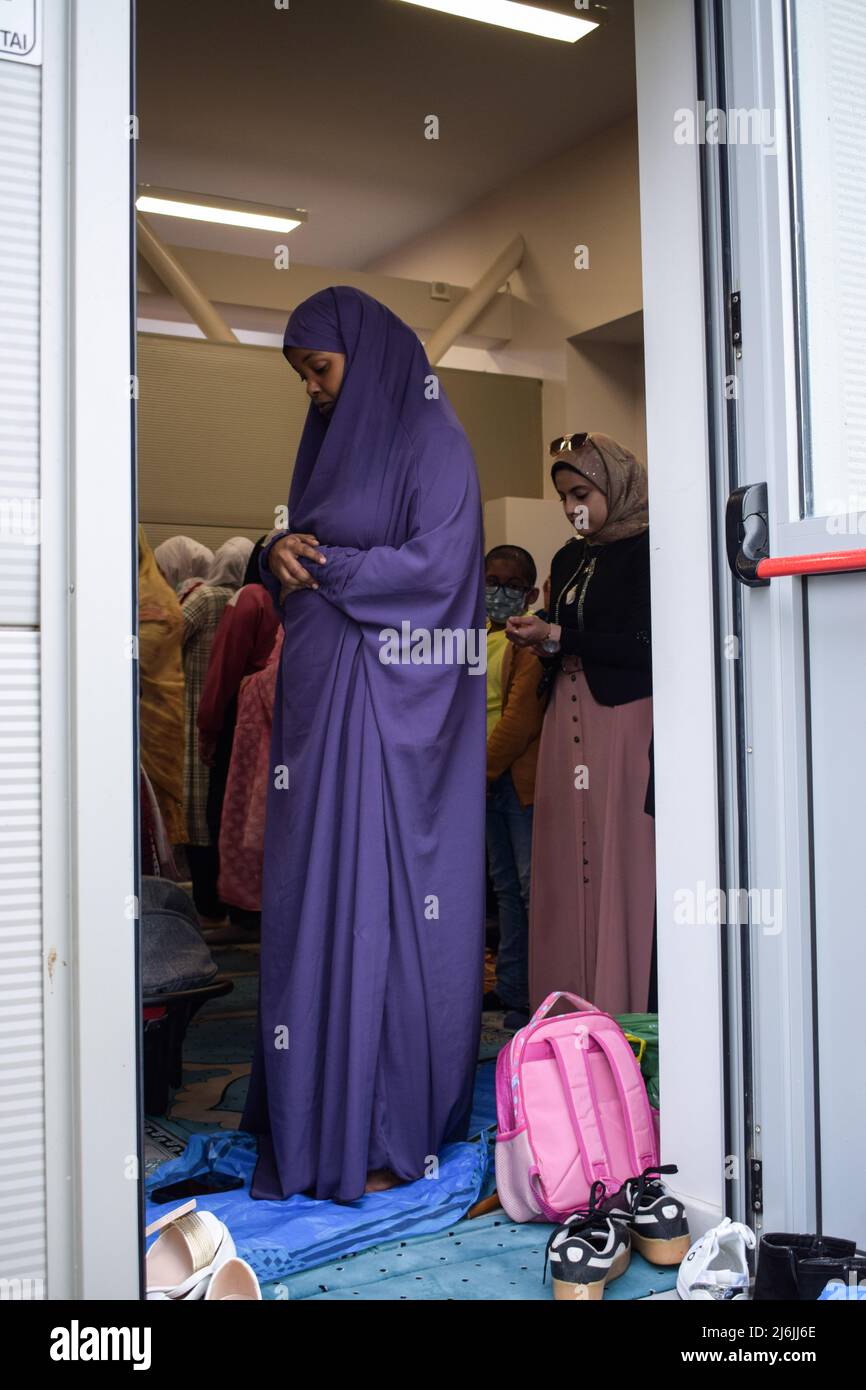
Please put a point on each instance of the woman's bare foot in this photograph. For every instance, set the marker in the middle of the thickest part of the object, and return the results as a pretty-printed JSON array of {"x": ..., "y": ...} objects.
[{"x": 380, "y": 1179}]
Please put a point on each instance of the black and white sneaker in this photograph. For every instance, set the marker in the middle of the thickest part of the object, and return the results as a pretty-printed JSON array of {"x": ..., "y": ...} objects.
[
  {"x": 657, "y": 1221},
  {"x": 587, "y": 1251}
]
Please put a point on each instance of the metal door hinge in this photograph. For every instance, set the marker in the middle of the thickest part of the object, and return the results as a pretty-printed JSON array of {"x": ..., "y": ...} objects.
[
  {"x": 735, "y": 307},
  {"x": 756, "y": 1184}
]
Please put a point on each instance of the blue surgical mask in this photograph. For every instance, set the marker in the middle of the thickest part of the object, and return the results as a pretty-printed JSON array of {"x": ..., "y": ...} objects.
[{"x": 503, "y": 603}]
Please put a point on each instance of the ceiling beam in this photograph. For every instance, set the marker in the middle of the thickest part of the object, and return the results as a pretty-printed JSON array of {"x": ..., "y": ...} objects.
[{"x": 251, "y": 281}]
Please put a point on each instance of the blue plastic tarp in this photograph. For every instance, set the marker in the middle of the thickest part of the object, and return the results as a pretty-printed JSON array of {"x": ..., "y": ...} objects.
[{"x": 282, "y": 1238}]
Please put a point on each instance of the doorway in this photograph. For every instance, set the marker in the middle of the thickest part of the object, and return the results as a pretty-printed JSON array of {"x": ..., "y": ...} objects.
[
  {"x": 701, "y": 987},
  {"x": 414, "y": 204}
]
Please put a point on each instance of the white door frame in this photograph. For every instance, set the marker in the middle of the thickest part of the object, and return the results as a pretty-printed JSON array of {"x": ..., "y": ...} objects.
[
  {"x": 735, "y": 1002},
  {"x": 803, "y": 1012},
  {"x": 774, "y": 786},
  {"x": 88, "y": 614},
  {"x": 691, "y": 1018}
]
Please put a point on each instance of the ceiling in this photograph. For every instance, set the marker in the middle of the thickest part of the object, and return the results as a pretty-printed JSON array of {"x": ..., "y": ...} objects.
[{"x": 322, "y": 106}]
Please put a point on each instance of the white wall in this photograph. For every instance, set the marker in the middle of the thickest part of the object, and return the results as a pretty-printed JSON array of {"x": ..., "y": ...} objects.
[
  {"x": 587, "y": 196},
  {"x": 538, "y": 524},
  {"x": 605, "y": 389}
]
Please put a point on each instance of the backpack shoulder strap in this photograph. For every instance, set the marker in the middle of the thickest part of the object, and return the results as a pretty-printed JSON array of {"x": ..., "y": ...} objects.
[
  {"x": 586, "y": 1122},
  {"x": 643, "y": 1148}
]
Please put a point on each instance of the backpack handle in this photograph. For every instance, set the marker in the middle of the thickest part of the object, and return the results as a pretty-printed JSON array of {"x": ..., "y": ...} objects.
[
  {"x": 521, "y": 1038},
  {"x": 582, "y": 1005}
]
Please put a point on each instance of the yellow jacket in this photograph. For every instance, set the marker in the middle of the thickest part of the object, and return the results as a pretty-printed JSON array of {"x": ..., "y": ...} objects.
[
  {"x": 161, "y": 690},
  {"x": 513, "y": 741}
]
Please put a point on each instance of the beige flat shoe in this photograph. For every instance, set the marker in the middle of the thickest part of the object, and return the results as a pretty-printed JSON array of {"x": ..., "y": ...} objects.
[
  {"x": 235, "y": 1282},
  {"x": 191, "y": 1247}
]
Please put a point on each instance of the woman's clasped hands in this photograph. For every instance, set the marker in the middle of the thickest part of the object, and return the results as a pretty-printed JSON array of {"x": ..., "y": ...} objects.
[{"x": 284, "y": 562}]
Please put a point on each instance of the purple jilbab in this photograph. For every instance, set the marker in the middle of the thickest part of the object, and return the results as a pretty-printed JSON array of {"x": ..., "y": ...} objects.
[{"x": 373, "y": 886}]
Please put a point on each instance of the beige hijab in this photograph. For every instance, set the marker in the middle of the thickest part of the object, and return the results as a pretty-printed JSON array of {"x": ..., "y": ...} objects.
[
  {"x": 230, "y": 563},
  {"x": 181, "y": 558},
  {"x": 620, "y": 476}
]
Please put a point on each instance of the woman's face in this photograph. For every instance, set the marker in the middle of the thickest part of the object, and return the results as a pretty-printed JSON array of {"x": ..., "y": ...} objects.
[
  {"x": 321, "y": 373},
  {"x": 585, "y": 504}
]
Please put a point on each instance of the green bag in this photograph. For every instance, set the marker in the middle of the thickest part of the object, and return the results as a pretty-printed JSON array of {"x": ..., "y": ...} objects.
[{"x": 642, "y": 1031}]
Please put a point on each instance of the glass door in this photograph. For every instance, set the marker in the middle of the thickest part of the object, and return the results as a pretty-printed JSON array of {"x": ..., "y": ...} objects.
[{"x": 786, "y": 140}]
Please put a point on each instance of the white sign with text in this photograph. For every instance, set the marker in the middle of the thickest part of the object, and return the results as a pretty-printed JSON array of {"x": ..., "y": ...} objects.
[{"x": 21, "y": 31}]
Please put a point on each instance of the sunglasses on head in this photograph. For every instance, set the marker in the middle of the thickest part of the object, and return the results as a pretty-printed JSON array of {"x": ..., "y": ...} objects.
[{"x": 568, "y": 443}]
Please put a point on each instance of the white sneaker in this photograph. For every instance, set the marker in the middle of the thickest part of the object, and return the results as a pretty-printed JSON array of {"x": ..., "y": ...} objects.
[{"x": 716, "y": 1267}]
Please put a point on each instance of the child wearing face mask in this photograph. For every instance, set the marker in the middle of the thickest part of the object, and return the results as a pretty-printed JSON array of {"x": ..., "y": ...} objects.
[{"x": 514, "y": 718}]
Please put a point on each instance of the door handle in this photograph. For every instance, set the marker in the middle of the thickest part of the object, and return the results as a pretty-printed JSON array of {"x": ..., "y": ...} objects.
[
  {"x": 747, "y": 540},
  {"x": 746, "y": 533}
]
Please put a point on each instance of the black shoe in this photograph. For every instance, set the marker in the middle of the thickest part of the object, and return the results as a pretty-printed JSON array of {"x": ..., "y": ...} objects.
[
  {"x": 796, "y": 1268},
  {"x": 587, "y": 1251},
  {"x": 657, "y": 1221},
  {"x": 514, "y": 1019},
  {"x": 491, "y": 1003}
]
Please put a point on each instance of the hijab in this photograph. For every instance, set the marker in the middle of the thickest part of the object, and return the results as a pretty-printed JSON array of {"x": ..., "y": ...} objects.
[
  {"x": 355, "y": 469},
  {"x": 181, "y": 558},
  {"x": 230, "y": 563},
  {"x": 619, "y": 475},
  {"x": 252, "y": 574}
]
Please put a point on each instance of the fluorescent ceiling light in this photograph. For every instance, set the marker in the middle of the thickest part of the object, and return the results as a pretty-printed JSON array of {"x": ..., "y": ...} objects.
[
  {"x": 508, "y": 14},
  {"x": 206, "y": 207}
]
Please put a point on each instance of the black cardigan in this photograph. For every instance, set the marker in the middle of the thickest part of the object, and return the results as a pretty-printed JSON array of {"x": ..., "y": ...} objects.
[{"x": 607, "y": 624}]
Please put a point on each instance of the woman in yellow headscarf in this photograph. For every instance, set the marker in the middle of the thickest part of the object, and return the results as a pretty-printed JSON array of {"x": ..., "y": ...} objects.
[{"x": 161, "y": 707}]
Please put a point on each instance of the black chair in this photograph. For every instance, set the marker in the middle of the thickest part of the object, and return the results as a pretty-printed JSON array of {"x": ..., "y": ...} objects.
[{"x": 166, "y": 1019}]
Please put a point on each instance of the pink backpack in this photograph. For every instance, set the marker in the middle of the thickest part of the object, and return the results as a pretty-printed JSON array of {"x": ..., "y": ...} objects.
[{"x": 571, "y": 1108}]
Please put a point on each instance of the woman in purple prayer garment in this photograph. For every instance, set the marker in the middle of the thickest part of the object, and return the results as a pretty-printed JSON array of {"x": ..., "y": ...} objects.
[{"x": 373, "y": 886}]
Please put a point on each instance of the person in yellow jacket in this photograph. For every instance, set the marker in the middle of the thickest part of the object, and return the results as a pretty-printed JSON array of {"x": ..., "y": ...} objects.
[
  {"x": 514, "y": 718},
  {"x": 161, "y": 690}
]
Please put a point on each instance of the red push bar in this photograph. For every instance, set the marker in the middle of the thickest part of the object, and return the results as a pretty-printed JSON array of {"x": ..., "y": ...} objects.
[
  {"x": 747, "y": 543},
  {"x": 837, "y": 561}
]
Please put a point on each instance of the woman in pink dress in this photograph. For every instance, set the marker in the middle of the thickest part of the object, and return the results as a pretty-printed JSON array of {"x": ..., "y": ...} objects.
[{"x": 592, "y": 893}]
